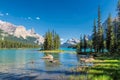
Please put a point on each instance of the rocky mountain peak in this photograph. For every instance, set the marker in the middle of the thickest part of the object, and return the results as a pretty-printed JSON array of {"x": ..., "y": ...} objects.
[
  {"x": 20, "y": 31},
  {"x": 7, "y": 27},
  {"x": 71, "y": 42}
]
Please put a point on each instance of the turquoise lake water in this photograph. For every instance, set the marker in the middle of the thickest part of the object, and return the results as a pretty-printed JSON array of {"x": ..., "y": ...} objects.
[{"x": 28, "y": 62}]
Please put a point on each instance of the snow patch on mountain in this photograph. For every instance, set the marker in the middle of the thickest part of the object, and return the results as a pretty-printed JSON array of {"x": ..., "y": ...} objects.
[
  {"x": 70, "y": 42},
  {"x": 20, "y": 31}
]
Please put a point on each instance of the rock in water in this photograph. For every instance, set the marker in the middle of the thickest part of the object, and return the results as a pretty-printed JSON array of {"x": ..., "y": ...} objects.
[{"x": 48, "y": 57}]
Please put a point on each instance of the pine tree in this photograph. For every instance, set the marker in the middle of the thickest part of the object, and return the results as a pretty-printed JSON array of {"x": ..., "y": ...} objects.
[
  {"x": 55, "y": 41},
  {"x": 100, "y": 36},
  {"x": 48, "y": 41},
  {"x": 102, "y": 40},
  {"x": 85, "y": 43},
  {"x": 113, "y": 41},
  {"x": 52, "y": 41},
  {"x": 110, "y": 38},
  {"x": 94, "y": 37},
  {"x": 118, "y": 30},
  {"x": 99, "y": 27},
  {"x": 118, "y": 39},
  {"x": 45, "y": 45},
  {"x": 118, "y": 9},
  {"x": 115, "y": 32},
  {"x": 58, "y": 41},
  {"x": 81, "y": 45}
]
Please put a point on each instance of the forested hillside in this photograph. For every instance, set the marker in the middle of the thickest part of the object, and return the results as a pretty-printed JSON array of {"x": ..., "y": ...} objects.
[{"x": 10, "y": 41}]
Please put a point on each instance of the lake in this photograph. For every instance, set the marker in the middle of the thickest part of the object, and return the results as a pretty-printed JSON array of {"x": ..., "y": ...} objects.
[{"x": 27, "y": 64}]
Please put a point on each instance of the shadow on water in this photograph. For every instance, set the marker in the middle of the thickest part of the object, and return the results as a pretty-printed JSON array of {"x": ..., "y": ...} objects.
[
  {"x": 10, "y": 76},
  {"x": 67, "y": 75},
  {"x": 30, "y": 75}
]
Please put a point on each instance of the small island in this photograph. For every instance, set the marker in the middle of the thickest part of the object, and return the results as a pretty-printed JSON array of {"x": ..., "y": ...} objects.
[
  {"x": 51, "y": 43},
  {"x": 52, "y": 51}
]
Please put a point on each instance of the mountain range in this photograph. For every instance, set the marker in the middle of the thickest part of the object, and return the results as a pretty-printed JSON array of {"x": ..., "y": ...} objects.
[
  {"x": 20, "y": 32},
  {"x": 70, "y": 42}
]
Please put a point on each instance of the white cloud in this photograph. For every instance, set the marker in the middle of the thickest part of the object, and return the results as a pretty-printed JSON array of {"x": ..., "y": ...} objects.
[
  {"x": 7, "y": 14},
  {"x": 1, "y": 14},
  {"x": 29, "y": 18},
  {"x": 62, "y": 39},
  {"x": 38, "y": 18}
]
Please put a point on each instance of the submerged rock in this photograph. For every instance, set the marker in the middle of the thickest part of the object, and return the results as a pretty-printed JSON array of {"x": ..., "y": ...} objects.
[
  {"x": 48, "y": 57},
  {"x": 91, "y": 59}
]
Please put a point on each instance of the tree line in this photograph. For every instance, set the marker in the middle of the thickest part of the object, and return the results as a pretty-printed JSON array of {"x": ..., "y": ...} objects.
[
  {"x": 11, "y": 41},
  {"x": 52, "y": 41},
  {"x": 13, "y": 44},
  {"x": 108, "y": 39}
]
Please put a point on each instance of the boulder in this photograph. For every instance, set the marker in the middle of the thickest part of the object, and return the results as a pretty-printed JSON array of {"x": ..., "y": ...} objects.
[{"x": 48, "y": 57}]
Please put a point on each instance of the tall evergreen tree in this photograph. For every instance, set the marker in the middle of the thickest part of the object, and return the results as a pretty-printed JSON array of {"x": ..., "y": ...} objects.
[
  {"x": 108, "y": 33},
  {"x": 100, "y": 36},
  {"x": 55, "y": 41},
  {"x": 85, "y": 43},
  {"x": 58, "y": 41},
  {"x": 115, "y": 34},
  {"x": 81, "y": 44},
  {"x": 102, "y": 40},
  {"x": 45, "y": 45},
  {"x": 52, "y": 41},
  {"x": 118, "y": 9},
  {"x": 99, "y": 27},
  {"x": 110, "y": 37},
  {"x": 94, "y": 37},
  {"x": 118, "y": 30}
]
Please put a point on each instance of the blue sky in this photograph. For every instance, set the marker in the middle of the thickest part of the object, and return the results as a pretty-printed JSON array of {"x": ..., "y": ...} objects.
[{"x": 69, "y": 18}]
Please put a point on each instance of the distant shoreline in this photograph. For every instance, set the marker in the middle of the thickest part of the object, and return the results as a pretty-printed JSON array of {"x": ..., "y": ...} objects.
[
  {"x": 52, "y": 51},
  {"x": 56, "y": 51},
  {"x": 16, "y": 48}
]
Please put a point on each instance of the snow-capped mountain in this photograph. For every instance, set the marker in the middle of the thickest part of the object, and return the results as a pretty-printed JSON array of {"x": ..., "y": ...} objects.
[
  {"x": 7, "y": 27},
  {"x": 20, "y": 31},
  {"x": 70, "y": 42}
]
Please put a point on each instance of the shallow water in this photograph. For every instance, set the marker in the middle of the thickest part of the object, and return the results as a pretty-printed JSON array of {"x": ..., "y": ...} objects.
[{"x": 26, "y": 63}]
